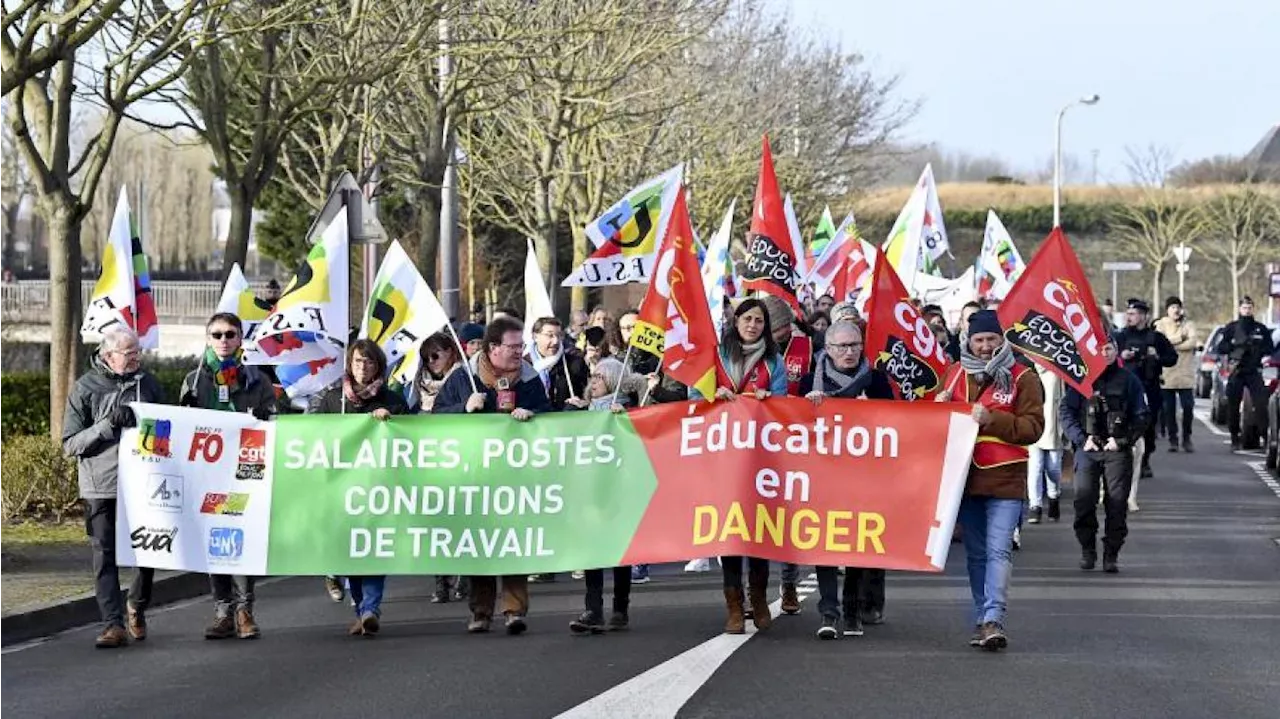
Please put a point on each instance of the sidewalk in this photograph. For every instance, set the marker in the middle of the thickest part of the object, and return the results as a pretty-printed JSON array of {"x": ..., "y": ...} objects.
[{"x": 46, "y": 581}]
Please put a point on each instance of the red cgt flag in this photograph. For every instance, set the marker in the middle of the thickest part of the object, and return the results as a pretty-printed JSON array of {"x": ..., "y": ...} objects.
[
  {"x": 674, "y": 321},
  {"x": 771, "y": 260},
  {"x": 899, "y": 342},
  {"x": 1050, "y": 315}
]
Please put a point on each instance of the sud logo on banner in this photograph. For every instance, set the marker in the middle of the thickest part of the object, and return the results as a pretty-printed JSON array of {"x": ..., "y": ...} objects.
[
  {"x": 899, "y": 341},
  {"x": 195, "y": 491},
  {"x": 1051, "y": 316}
]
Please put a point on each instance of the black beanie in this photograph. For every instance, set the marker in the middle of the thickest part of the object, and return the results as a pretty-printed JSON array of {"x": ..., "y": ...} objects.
[
  {"x": 1171, "y": 301},
  {"x": 984, "y": 321}
]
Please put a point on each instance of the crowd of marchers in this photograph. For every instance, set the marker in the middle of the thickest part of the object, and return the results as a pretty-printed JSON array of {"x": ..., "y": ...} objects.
[{"x": 1026, "y": 417}]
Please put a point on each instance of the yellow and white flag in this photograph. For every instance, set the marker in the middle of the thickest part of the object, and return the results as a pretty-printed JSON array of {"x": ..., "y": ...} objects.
[{"x": 402, "y": 312}]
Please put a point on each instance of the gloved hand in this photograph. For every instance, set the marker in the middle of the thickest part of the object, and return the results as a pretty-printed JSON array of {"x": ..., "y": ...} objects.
[
  {"x": 123, "y": 417},
  {"x": 262, "y": 414}
]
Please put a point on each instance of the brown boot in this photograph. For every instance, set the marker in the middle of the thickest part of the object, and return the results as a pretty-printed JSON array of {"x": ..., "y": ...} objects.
[
  {"x": 760, "y": 613},
  {"x": 246, "y": 628},
  {"x": 222, "y": 628},
  {"x": 790, "y": 600},
  {"x": 737, "y": 622},
  {"x": 357, "y": 629},
  {"x": 113, "y": 637},
  {"x": 136, "y": 622}
]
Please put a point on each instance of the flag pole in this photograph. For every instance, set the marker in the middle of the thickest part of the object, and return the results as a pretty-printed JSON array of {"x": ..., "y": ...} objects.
[
  {"x": 564, "y": 362},
  {"x": 462, "y": 353},
  {"x": 626, "y": 359}
]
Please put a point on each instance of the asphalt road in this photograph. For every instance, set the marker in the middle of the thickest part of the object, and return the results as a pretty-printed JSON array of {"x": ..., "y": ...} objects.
[{"x": 1189, "y": 628}]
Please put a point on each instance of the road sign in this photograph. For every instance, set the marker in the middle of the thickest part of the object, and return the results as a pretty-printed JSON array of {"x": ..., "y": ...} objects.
[
  {"x": 1182, "y": 267},
  {"x": 1182, "y": 252},
  {"x": 1121, "y": 266},
  {"x": 1275, "y": 284}
]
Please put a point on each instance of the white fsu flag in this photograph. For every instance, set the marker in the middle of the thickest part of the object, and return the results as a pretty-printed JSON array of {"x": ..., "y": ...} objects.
[{"x": 628, "y": 234}]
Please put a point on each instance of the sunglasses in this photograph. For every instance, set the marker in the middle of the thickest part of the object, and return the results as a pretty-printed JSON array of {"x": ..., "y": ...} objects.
[{"x": 229, "y": 334}]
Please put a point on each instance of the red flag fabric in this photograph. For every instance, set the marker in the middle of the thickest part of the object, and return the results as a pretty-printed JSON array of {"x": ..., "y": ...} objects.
[
  {"x": 1051, "y": 316},
  {"x": 674, "y": 321},
  {"x": 771, "y": 260},
  {"x": 899, "y": 342}
]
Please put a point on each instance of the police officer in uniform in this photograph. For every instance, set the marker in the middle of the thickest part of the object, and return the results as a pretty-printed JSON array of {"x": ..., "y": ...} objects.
[
  {"x": 1103, "y": 428},
  {"x": 1145, "y": 353},
  {"x": 1245, "y": 342}
]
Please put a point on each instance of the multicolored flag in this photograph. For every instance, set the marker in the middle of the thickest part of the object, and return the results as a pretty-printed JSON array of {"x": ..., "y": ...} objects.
[
  {"x": 674, "y": 321},
  {"x": 402, "y": 312},
  {"x": 122, "y": 294},
  {"x": 822, "y": 235},
  {"x": 717, "y": 269},
  {"x": 1050, "y": 315},
  {"x": 846, "y": 239},
  {"x": 934, "y": 240},
  {"x": 771, "y": 256},
  {"x": 239, "y": 299},
  {"x": 999, "y": 263},
  {"x": 310, "y": 319},
  {"x": 899, "y": 342},
  {"x": 798, "y": 249},
  {"x": 302, "y": 381},
  {"x": 627, "y": 235},
  {"x": 919, "y": 237},
  {"x": 855, "y": 273}
]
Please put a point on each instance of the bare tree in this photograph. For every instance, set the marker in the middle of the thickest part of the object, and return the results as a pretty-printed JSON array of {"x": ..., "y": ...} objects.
[
  {"x": 137, "y": 51},
  {"x": 1241, "y": 226},
  {"x": 1151, "y": 227}
]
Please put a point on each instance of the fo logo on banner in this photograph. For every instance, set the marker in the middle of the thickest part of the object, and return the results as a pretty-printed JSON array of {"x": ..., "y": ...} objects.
[
  {"x": 206, "y": 444},
  {"x": 226, "y": 544},
  {"x": 251, "y": 462},
  {"x": 153, "y": 437},
  {"x": 232, "y": 504},
  {"x": 164, "y": 492}
]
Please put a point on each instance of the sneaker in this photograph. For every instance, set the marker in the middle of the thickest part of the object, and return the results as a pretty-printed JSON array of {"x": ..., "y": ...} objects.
[
  {"x": 618, "y": 622},
  {"x": 440, "y": 596},
  {"x": 459, "y": 595},
  {"x": 1187, "y": 446},
  {"x": 992, "y": 637},
  {"x": 478, "y": 625},
  {"x": 1110, "y": 565},
  {"x": 356, "y": 629},
  {"x": 588, "y": 622},
  {"x": 246, "y": 627},
  {"x": 541, "y": 578},
  {"x": 639, "y": 575},
  {"x": 222, "y": 628},
  {"x": 1055, "y": 510},
  {"x": 334, "y": 587},
  {"x": 975, "y": 639},
  {"x": 113, "y": 637},
  {"x": 790, "y": 599},
  {"x": 828, "y": 629},
  {"x": 1146, "y": 472},
  {"x": 853, "y": 625},
  {"x": 516, "y": 624},
  {"x": 698, "y": 565},
  {"x": 1017, "y": 539},
  {"x": 1173, "y": 444},
  {"x": 1235, "y": 444},
  {"x": 369, "y": 621},
  {"x": 1088, "y": 560},
  {"x": 873, "y": 617},
  {"x": 1133, "y": 506},
  {"x": 578, "y": 574},
  {"x": 1033, "y": 517},
  {"x": 136, "y": 623}
]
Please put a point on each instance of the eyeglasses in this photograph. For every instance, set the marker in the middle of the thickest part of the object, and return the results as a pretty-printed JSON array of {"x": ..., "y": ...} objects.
[
  {"x": 626, "y": 328},
  {"x": 229, "y": 334},
  {"x": 127, "y": 353},
  {"x": 849, "y": 347},
  {"x": 513, "y": 348},
  {"x": 549, "y": 334}
]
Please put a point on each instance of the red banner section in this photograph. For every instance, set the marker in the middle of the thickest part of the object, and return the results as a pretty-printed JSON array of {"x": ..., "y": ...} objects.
[{"x": 852, "y": 483}]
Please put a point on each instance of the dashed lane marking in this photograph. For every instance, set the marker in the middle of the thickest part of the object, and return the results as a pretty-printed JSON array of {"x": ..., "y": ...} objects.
[{"x": 1260, "y": 469}]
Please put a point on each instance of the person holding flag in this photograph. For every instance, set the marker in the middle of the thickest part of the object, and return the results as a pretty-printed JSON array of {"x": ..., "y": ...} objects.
[
  {"x": 223, "y": 382},
  {"x": 1006, "y": 400}
]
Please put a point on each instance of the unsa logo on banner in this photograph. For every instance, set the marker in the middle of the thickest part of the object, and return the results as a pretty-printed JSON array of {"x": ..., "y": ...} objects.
[{"x": 226, "y": 544}]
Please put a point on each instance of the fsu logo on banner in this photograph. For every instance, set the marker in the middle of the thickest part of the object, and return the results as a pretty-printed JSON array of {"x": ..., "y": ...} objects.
[
  {"x": 899, "y": 342},
  {"x": 1051, "y": 317}
]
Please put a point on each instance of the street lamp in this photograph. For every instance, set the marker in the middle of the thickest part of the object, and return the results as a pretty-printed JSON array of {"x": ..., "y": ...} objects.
[{"x": 1057, "y": 155}]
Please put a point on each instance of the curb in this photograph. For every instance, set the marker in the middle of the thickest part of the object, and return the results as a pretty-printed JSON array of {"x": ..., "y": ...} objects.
[{"x": 78, "y": 611}]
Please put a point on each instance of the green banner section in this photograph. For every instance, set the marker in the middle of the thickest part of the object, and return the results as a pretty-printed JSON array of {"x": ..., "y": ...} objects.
[{"x": 455, "y": 494}]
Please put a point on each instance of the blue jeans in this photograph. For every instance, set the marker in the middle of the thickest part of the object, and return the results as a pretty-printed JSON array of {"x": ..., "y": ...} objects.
[
  {"x": 1044, "y": 473},
  {"x": 987, "y": 527},
  {"x": 366, "y": 592}
]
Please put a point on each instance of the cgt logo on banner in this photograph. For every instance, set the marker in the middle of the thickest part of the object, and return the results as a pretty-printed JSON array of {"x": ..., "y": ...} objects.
[{"x": 186, "y": 487}]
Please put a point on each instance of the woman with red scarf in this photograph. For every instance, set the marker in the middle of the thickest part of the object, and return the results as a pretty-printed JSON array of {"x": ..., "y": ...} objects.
[{"x": 363, "y": 390}]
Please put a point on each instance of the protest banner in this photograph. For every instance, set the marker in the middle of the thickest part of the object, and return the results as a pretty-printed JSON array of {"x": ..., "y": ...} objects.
[{"x": 857, "y": 483}]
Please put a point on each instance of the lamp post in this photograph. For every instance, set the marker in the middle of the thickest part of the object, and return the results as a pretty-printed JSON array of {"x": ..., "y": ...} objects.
[{"x": 1057, "y": 155}]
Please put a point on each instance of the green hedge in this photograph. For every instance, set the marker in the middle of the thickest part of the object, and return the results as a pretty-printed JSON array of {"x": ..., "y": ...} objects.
[
  {"x": 1079, "y": 218},
  {"x": 24, "y": 398},
  {"x": 36, "y": 480}
]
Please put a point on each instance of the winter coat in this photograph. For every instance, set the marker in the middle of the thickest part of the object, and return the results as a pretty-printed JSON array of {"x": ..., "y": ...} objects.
[
  {"x": 332, "y": 401},
  {"x": 1245, "y": 342},
  {"x": 87, "y": 431},
  {"x": 1051, "y": 439},
  {"x": 1148, "y": 368},
  {"x": 200, "y": 390},
  {"x": 1182, "y": 335},
  {"x": 1115, "y": 381},
  {"x": 873, "y": 385},
  {"x": 777, "y": 375},
  {"x": 530, "y": 392},
  {"x": 1023, "y": 426},
  {"x": 568, "y": 373}
]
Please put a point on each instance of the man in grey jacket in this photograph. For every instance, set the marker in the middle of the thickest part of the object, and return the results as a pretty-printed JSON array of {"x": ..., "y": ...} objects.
[{"x": 97, "y": 412}]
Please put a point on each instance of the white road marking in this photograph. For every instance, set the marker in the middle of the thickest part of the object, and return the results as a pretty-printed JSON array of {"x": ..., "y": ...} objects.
[
  {"x": 662, "y": 691},
  {"x": 1203, "y": 416},
  {"x": 1260, "y": 469}
]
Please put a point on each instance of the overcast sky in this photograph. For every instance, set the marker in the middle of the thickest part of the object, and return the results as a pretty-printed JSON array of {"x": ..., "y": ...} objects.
[{"x": 1201, "y": 77}]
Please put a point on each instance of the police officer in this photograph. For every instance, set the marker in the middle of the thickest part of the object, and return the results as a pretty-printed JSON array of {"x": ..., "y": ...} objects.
[
  {"x": 1103, "y": 428},
  {"x": 1245, "y": 342},
  {"x": 1146, "y": 353}
]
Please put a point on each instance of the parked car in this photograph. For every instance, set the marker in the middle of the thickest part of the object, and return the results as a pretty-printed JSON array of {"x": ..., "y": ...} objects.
[
  {"x": 1208, "y": 363},
  {"x": 1273, "y": 432}
]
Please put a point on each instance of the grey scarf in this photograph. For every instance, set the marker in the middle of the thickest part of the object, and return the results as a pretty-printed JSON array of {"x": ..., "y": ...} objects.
[
  {"x": 737, "y": 368},
  {"x": 846, "y": 384},
  {"x": 999, "y": 369}
]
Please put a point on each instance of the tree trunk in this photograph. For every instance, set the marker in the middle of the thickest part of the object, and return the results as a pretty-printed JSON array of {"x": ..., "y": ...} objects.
[
  {"x": 65, "y": 308},
  {"x": 579, "y": 298},
  {"x": 237, "y": 248},
  {"x": 1235, "y": 283},
  {"x": 428, "y": 209},
  {"x": 545, "y": 241},
  {"x": 1157, "y": 275}
]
